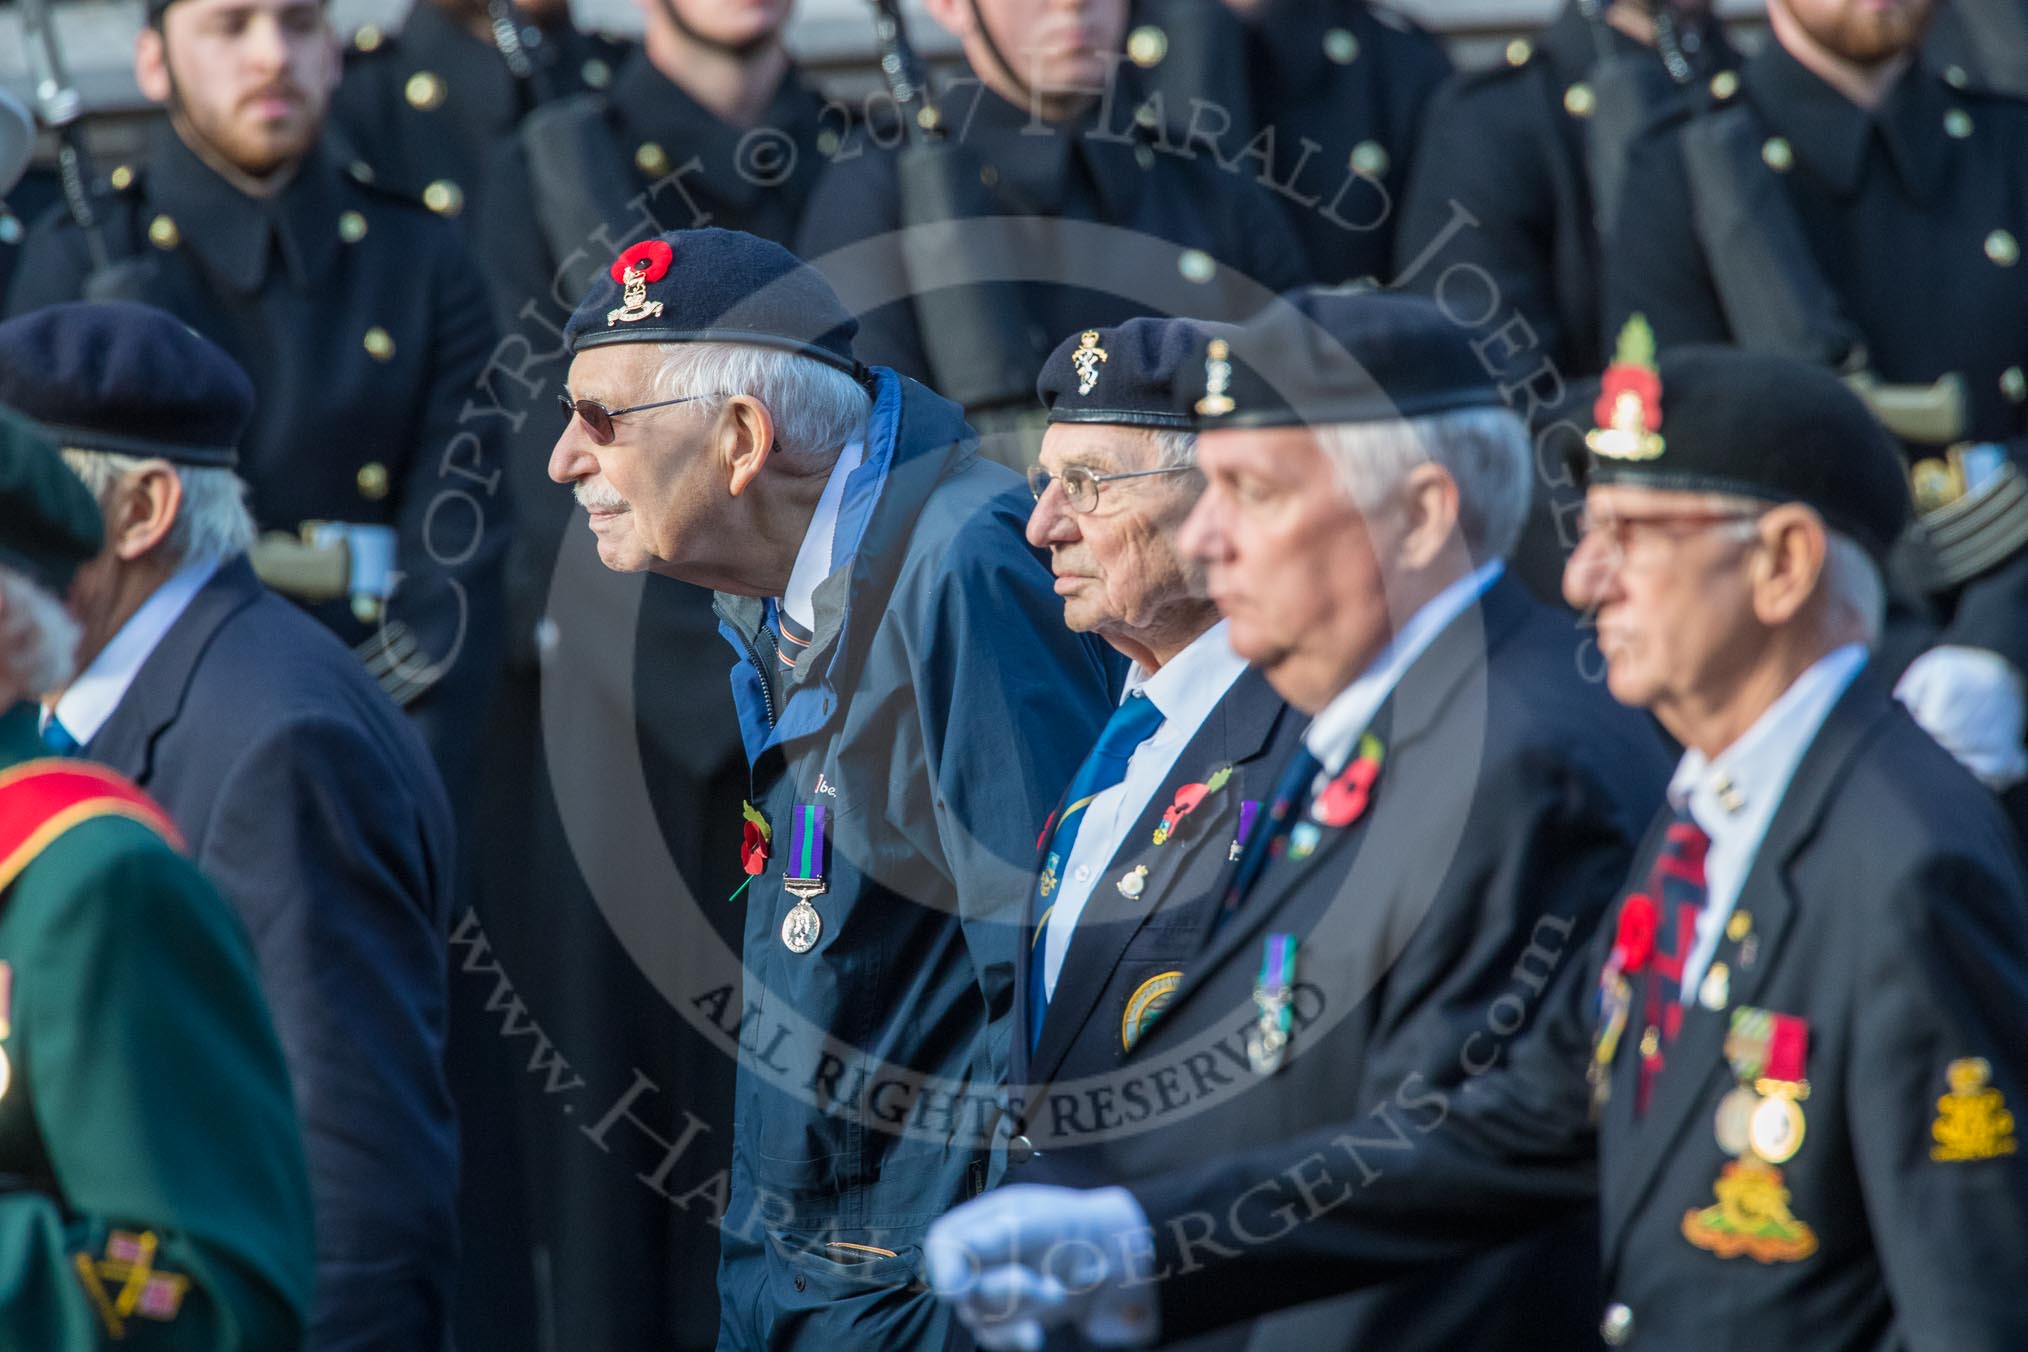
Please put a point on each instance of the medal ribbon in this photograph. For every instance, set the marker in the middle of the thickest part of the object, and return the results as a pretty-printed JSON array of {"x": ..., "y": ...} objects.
[
  {"x": 1277, "y": 974},
  {"x": 806, "y": 844}
]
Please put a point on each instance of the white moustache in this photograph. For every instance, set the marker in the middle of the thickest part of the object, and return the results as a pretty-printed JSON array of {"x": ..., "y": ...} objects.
[{"x": 594, "y": 501}]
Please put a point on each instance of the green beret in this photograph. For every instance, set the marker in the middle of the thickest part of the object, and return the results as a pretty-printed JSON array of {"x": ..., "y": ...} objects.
[{"x": 49, "y": 523}]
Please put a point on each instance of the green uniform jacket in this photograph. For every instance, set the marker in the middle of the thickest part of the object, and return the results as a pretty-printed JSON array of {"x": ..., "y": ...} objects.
[{"x": 148, "y": 1142}]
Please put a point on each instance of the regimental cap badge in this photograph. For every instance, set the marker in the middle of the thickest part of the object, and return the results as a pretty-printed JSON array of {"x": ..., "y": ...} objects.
[
  {"x": 1086, "y": 360},
  {"x": 648, "y": 261},
  {"x": 1217, "y": 400},
  {"x": 1629, "y": 408}
]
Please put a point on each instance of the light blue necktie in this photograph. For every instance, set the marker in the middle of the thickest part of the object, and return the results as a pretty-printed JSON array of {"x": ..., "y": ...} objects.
[{"x": 1131, "y": 724}]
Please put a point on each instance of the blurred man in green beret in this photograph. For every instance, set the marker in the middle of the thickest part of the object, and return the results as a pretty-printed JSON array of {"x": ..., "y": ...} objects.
[{"x": 152, "y": 1187}]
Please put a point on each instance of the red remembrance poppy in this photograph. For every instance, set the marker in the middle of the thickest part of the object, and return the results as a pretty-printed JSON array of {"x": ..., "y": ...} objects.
[
  {"x": 1344, "y": 799},
  {"x": 652, "y": 256},
  {"x": 753, "y": 848},
  {"x": 1641, "y": 382},
  {"x": 1635, "y": 942}
]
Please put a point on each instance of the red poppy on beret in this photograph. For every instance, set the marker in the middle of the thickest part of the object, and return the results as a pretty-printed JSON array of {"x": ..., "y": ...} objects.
[{"x": 652, "y": 256}]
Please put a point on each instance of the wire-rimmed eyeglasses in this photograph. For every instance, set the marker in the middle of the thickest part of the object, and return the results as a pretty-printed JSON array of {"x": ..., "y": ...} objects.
[{"x": 1081, "y": 486}]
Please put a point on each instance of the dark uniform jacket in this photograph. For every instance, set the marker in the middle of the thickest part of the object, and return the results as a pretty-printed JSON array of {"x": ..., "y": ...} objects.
[
  {"x": 1510, "y": 797},
  {"x": 365, "y": 328},
  {"x": 313, "y": 806},
  {"x": 1203, "y": 242},
  {"x": 1983, "y": 43},
  {"x": 935, "y": 715},
  {"x": 1913, "y": 219},
  {"x": 1905, "y": 954},
  {"x": 425, "y": 107},
  {"x": 146, "y": 1133}
]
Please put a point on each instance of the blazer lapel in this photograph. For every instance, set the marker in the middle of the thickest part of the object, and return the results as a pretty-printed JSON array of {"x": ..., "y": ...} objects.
[
  {"x": 155, "y": 698},
  {"x": 1450, "y": 670},
  {"x": 1694, "y": 1065},
  {"x": 1239, "y": 732}
]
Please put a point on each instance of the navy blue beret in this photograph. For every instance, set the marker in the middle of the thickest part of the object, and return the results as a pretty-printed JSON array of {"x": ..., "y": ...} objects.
[
  {"x": 1337, "y": 355},
  {"x": 1126, "y": 374},
  {"x": 126, "y": 378},
  {"x": 1753, "y": 424},
  {"x": 48, "y": 522},
  {"x": 715, "y": 286}
]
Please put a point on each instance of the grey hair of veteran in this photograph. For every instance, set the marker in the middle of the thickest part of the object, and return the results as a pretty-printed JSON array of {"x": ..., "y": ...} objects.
[
  {"x": 46, "y": 661},
  {"x": 1174, "y": 448},
  {"x": 1854, "y": 590},
  {"x": 1485, "y": 450},
  {"x": 815, "y": 406},
  {"x": 213, "y": 522}
]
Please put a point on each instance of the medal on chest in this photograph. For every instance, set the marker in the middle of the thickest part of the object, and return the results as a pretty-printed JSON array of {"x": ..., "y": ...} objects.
[
  {"x": 1267, "y": 1044},
  {"x": 803, "y": 878},
  {"x": 1760, "y": 1124}
]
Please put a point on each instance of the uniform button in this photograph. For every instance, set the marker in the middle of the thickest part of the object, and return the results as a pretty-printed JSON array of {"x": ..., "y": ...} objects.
[
  {"x": 1370, "y": 158},
  {"x": 1145, "y": 157},
  {"x": 368, "y": 38},
  {"x": 2014, "y": 384},
  {"x": 1724, "y": 85},
  {"x": 1955, "y": 77},
  {"x": 444, "y": 197},
  {"x": 1957, "y": 124},
  {"x": 1146, "y": 46},
  {"x": 1519, "y": 51},
  {"x": 122, "y": 177},
  {"x": 827, "y": 143},
  {"x": 989, "y": 175},
  {"x": 1341, "y": 46},
  {"x": 1196, "y": 266},
  {"x": 361, "y": 171},
  {"x": 163, "y": 234},
  {"x": 351, "y": 227},
  {"x": 1579, "y": 101},
  {"x": 2003, "y": 249},
  {"x": 379, "y": 344},
  {"x": 1778, "y": 154},
  {"x": 1617, "y": 1326},
  {"x": 425, "y": 90},
  {"x": 1020, "y": 1150},
  {"x": 372, "y": 479},
  {"x": 10, "y": 227},
  {"x": 800, "y": 1281},
  {"x": 651, "y": 159},
  {"x": 1083, "y": 872},
  {"x": 596, "y": 74}
]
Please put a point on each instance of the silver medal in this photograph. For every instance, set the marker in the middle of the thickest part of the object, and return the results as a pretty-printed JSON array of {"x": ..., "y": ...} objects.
[{"x": 801, "y": 927}]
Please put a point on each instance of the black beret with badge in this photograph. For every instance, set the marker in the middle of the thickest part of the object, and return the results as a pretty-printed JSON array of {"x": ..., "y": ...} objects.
[
  {"x": 1125, "y": 375},
  {"x": 125, "y": 378},
  {"x": 49, "y": 523},
  {"x": 716, "y": 286},
  {"x": 1710, "y": 419},
  {"x": 1320, "y": 356}
]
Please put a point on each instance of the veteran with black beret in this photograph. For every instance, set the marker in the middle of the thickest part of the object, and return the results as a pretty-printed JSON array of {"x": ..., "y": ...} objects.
[
  {"x": 1448, "y": 803},
  {"x": 910, "y": 705},
  {"x": 1800, "y": 1028},
  {"x": 301, "y": 791},
  {"x": 155, "y": 1186}
]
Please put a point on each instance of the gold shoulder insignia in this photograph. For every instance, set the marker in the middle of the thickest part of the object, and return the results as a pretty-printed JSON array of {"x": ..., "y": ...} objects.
[{"x": 1972, "y": 1121}]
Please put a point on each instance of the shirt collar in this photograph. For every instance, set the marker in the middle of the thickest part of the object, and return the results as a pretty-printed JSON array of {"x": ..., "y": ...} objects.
[
  {"x": 814, "y": 558},
  {"x": 98, "y": 690},
  {"x": 234, "y": 234},
  {"x": 1190, "y": 684},
  {"x": 1739, "y": 789},
  {"x": 1832, "y": 135},
  {"x": 1335, "y": 731}
]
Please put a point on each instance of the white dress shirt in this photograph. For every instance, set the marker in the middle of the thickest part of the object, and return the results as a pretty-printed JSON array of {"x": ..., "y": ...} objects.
[
  {"x": 1733, "y": 798},
  {"x": 813, "y": 559},
  {"x": 100, "y": 687},
  {"x": 1334, "y": 732},
  {"x": 1186, "y": 690}
]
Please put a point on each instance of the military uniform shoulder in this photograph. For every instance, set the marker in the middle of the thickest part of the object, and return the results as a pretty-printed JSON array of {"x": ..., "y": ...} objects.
[
  {"x": 1521, "y": 57},
  {"x": 363, "y": 189},
  {"x": 370, "y": 44}
]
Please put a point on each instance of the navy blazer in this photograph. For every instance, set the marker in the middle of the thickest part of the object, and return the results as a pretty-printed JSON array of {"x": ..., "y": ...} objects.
[
  {"x": 1509, "y": 802},
  {"x": 1887, "y": 910},
  {"x": 311, "y": 802}
]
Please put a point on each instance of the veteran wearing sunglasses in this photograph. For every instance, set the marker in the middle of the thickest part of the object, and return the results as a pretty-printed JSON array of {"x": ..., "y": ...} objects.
[{"x": 910, "y": 706}]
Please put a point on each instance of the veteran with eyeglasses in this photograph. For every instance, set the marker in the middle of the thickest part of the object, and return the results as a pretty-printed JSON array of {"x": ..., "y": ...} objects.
[
  {"x": 1340, "y": 905},
  {"x": 909, "y": 706}
]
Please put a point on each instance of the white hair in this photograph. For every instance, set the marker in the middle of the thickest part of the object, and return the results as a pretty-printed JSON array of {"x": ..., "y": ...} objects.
[
  {"x": 48, "y": 657},
  {"x": 1175, "y": 448},
  {"x": 1852, "y": 585},
  {"x": 213, "y": 522},
  {"x": 1485, "y": 450},
  {"x": 816, "y": 407}
]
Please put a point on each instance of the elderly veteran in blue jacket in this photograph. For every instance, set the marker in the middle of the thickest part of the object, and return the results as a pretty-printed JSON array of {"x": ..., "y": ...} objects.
[
  {"x": 304, "y": 794},
  {"x": 911, "y": 706}
]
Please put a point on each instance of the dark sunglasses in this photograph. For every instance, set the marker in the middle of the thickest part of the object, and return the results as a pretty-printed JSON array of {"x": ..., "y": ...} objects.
[{"x": 598, "y": 419}]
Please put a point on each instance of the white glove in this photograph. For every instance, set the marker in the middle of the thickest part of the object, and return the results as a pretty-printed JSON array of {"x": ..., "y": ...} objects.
[
  {"x": 1026, "y": 1258},
  {"x": 1976, "y": 705}
]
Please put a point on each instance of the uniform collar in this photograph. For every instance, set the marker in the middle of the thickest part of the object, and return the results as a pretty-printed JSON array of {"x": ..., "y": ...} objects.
[
  {"x": 1736, "y": 792},
  {"x": 236, "y": 235},
  {"x": 98, "y": 690},
  {"x": 653, "y": 107},
  {"x": 1833, "y": 136},
  {"x": 1336, "y": 728}
]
